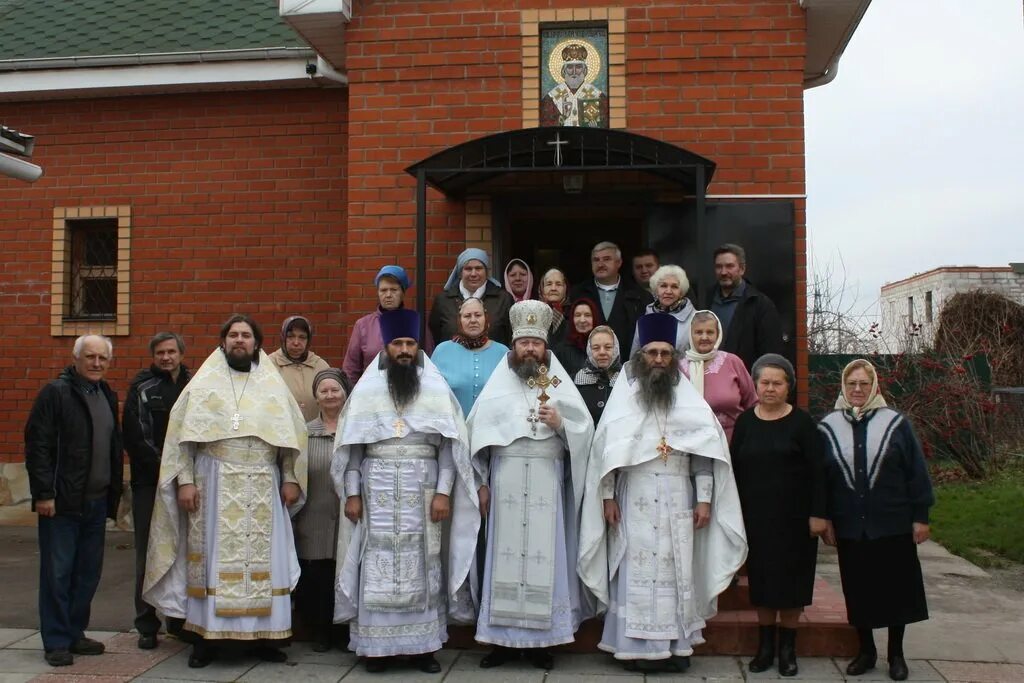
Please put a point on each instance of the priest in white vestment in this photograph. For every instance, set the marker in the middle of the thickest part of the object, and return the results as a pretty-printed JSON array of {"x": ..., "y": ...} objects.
[
  {"x": 221, "y": 552},
  {"x": 401, "y": 466},
  {"x": 661, "y": 532},
  {"x": 530, "y": 434}
]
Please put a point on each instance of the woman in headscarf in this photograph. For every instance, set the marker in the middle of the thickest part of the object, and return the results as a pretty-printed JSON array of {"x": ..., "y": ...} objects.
[
  {"x": 718, "y": 376},
  {"x": 572, "y": 352},
  {"x": 879, "y": 495},
  {"x": 471, "y": 278},
  {"x": 468, "y": 359},
  {"x": 297, "y": 364},
  {"x": 519, "y": 280},
  {"x": 598, "y": 375},
  {"x": 554, "y": 291},
  {"x": 316, "y": 524},
  {"x": 365, "y": 343},
  {"x": 669, "y": 286},
  {"x": 777, "y": 458}
]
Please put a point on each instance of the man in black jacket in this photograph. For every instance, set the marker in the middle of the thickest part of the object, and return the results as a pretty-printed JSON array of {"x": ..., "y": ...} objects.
[
  {"x": 750, "y": 321},
  {"x": 146, "y": 410},
  {"x": 73, "y": 458},
  {"x": 621, "y": 303}
]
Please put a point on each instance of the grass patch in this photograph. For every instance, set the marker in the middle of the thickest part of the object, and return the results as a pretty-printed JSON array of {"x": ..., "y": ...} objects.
[{"x": 983, "y": 521}]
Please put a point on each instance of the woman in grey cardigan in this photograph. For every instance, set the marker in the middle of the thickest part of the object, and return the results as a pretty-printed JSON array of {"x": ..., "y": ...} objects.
[{"x": 316, "y": 524}]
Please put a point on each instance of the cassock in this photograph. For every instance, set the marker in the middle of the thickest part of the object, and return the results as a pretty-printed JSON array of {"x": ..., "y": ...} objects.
[
  {"x": 229, "y": 568},
  {"x": 531, "y": 595},
  {"x": 393, "y": 583},
  {"x": 658, "y": 577}
]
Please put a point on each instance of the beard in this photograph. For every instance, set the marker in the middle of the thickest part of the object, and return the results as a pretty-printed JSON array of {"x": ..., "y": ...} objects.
[
  {"x": 240, "y": 360},
  {"x": 525, "y": 368},
  {"x": 657, "y": 390},
  {"x": 403, "y": 382}
]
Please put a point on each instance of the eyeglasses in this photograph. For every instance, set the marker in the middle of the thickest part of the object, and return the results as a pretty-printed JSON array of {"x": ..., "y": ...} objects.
[
  {"x": 658, "y": 353},
  {"x": 858, "y": 385}
]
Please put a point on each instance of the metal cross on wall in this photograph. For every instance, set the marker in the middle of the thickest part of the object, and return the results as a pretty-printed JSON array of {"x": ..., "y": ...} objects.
[{"x": 557, "y": 143}]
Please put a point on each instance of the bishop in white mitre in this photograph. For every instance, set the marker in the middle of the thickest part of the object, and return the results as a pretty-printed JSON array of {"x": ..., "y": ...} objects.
[
  {"x": 401, "y": 467},
  {"x": 530, "y": 434},
  {"x": 661, "y": 532},
  {"x": 221, "y": 552}
]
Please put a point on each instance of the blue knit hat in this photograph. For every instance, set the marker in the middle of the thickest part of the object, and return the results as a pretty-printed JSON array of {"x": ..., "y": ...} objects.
[
  {"x": 399, "y": 324},
  {"x": 396, "y": 272},
  {"x": 657, "y": 327}
]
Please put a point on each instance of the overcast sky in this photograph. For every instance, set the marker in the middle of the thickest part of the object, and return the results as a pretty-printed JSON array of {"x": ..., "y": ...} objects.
[{"x": 915, "y": 152}]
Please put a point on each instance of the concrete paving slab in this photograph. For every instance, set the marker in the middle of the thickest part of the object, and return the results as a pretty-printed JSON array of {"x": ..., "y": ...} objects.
[
  {"x": 302, "y": 653},
  {"x": 597, "y": 664},
  {"x": 707, "y": 668},
  {"x": 224, "y": 669},
  {"x": 14, "y": 661},
  {"x": 266, "y": 672},
  {"x": 13, "y": 635},
  {"x": 468, "y": 676},
  {"x": 920, "y": 670},
  {"x": 403, "y": 671},
  {"x": 79, "y": 678},
  {"x": 811, "y": 669},
  {"x": 582, "y": 677},
  {"x": 15, "y": 678},
  {"x": 980, "y": 672},
  {"x": 35, "y": 640}
]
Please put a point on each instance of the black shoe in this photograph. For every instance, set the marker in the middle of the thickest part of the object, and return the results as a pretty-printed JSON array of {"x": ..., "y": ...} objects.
[
  {"x": 322, "y": 641},
  {"x": 787, "y": 652},
  {"x": 861, "y": 664},
  {"x": 427, "y": 663},
  {"x": 376, "y": 665},
  {"x": 496, "y": 657},
  {"x": 898, "y": 670},
  {"x": 541, "y": 658},
  {"x": 270, "y": 654},
  {"x": 59, "y": 657},
  {"x": 147, "y": 641},
  {"x": 765, "y": 656},
  {"x": 201, "y": 656},
  {"x": 676, "y": 664},
  {"x": 87, "y": 646}
]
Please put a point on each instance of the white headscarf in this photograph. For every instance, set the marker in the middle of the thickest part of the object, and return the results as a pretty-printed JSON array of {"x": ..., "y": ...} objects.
[
  {"x": 696, "y": 359},
  {"x": 875, "y": 399}
]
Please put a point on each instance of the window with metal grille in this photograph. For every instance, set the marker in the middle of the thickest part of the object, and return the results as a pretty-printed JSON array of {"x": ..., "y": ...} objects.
[{"x": 92, "y": 275}]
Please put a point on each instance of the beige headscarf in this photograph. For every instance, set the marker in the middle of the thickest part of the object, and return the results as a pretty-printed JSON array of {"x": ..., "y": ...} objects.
[
  {"x": 875, "y": 399},
  {"x": 697, "y": 360}
]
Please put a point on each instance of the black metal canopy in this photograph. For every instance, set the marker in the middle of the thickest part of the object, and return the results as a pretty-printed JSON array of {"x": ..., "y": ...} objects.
[{"x": 456, "y": 170}]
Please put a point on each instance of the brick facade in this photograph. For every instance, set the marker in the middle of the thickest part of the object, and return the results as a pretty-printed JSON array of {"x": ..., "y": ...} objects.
[{"x": 279, "y": 202}]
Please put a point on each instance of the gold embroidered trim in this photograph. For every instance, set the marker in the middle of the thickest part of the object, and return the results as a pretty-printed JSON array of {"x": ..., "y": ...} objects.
[
  {"x": 238, "y": 635},
  {"x": 196, "y": 592},
  {"x": 260, "y": 576},
  {"x": 232, "y": 576},
  {"x": 244, "y": 612},
  {"x": 194, "y": 557},
  {"x": 202, "y": 593}
]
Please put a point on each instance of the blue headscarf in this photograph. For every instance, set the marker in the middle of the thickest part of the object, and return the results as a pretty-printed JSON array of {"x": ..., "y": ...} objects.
[
  {"x": 471, "y": 254},
  {"x": 396, "y": 272}
]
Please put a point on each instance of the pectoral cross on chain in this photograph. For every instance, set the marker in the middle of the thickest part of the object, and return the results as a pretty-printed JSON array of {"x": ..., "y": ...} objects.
[
  {"x": 533, "y": 419},
  {"x": 236, "y": 421},
  {"x": 542, "y": 381},
  {"x": 399, "y": 425},
  {"x": 664, "y": 449}
]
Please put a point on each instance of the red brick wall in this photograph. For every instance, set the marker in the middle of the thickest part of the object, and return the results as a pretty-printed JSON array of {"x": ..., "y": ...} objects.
[
  {"x": 723, "y": 78},
  {"x": 238, "y": 204}
]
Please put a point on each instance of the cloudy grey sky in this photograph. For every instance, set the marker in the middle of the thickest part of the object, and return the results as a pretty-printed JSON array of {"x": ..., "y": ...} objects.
[{"x": 915, "y": 153}]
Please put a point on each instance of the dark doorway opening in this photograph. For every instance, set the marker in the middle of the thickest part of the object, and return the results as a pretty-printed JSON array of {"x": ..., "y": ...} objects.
[{"x": 560, "y": 232}]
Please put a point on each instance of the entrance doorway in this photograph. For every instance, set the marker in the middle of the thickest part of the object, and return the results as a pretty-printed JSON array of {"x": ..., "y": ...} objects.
[{"x": 560, "y": 232}]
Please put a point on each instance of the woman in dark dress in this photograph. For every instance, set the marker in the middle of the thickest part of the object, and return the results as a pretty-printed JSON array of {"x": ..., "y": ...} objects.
[
  {"x": 777, "y": 457},
  {"x": 879, "y": 494},
  {"x": 572, "y": 352},
  {"x": 597, "y": 377}
]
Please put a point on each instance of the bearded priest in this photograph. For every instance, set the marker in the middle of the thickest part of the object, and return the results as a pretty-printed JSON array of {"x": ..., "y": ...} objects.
[
  {"x": 221, "y": 551},
  {"x": 401, "y": 466},
  {"x": 530, "y": 434},
  {"x": 670, "y": 546}
]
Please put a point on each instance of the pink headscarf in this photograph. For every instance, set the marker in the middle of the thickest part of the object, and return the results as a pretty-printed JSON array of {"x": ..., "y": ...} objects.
[{"x": 528, "y": 294}]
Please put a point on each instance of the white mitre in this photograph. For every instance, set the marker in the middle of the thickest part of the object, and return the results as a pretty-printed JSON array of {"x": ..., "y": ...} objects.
[{"x": 530, "y": 318}]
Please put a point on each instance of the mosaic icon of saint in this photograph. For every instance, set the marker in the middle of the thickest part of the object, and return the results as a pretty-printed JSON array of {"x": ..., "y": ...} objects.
[{"x": 575, "y": 101}]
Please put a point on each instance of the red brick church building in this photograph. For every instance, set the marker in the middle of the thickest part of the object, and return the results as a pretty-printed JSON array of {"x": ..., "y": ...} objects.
[{"x": 207, "y": 157}]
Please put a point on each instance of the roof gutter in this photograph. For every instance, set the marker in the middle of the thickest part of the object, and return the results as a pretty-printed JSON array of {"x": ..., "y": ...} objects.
[
  {"x": 144, "y": 59},
  {"x": 832, "y": 68}
]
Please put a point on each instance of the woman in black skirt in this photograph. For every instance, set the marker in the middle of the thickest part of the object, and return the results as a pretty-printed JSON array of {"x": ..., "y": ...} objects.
[
  {"x": 777, "y": 457},
  {"x": 879, "y": 496}
]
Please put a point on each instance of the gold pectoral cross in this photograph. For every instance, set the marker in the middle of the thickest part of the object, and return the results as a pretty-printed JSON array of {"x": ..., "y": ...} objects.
[
  {"x": 543, "y": 381},
  {"x": 399, "y": 425},
  {"x": 663, "y": 449}
]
